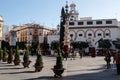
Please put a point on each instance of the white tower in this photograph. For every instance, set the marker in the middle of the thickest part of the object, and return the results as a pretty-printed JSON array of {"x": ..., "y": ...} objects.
[
  {"x": 1, "y": 24},
  {"x": 73, "y": 13},
  {"x": 66, "y": 33}
]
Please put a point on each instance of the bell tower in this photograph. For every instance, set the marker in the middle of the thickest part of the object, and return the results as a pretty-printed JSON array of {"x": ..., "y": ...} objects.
[{"x": 73, "y": 13}]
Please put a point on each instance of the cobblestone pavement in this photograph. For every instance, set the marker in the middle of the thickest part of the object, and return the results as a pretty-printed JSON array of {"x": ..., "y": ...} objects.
[{"x": 87, "y": 68}]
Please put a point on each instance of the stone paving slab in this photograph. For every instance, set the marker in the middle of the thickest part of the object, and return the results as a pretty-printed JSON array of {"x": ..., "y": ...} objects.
[{"x": 86, "y": 68}]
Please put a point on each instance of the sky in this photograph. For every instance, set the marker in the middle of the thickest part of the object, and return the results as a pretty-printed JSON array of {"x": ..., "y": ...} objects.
[{"x": 47, "y": 12}]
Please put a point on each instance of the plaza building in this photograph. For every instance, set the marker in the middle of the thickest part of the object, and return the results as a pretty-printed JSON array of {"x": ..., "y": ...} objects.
[
  {"x": 88, "y": 29},
  {"x": 31, "y": 32},
  {"x": 1, "y": 27},
  {"x": 5, "y": 32}
]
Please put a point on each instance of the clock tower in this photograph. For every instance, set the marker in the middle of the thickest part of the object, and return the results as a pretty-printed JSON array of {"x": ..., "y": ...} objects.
[{"x": 73, "y": 13}]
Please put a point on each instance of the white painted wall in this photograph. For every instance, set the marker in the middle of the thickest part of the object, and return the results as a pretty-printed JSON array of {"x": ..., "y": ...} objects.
[{"x": 113, "y": 30}]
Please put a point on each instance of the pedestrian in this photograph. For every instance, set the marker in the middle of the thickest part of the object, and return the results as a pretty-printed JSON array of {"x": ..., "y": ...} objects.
[
  {"x": 66, "y": 51},
  {"x": 107, "y": 58},
  {"x": 72, "y": 54},
  {"x": 80, "y": 53},
  {"x": 117, "y": 59}
]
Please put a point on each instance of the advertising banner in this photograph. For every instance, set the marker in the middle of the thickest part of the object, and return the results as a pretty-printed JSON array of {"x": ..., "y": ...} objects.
[{"x": 12, "y": 38}]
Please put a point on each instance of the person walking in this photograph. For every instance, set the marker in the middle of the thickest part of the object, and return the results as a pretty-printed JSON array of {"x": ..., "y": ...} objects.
[
  {"x": 81, "y": 53},
  {"x": 108, "y": 58},
  {"x": 72, "y": 54},
  {"x": 66, "y": 51},
  {"x": 117, "y": 59}
]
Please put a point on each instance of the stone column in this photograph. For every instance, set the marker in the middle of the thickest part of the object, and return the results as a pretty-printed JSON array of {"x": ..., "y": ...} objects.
[{"x": 66, "y": 33}]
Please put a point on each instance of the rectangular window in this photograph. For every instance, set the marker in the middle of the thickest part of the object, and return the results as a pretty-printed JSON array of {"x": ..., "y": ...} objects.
[
  {"x": 89, "y": 34},
  {"x": 99, "y": 34},
  {"x": 98, "y": 22},
  {"x": 107, "y": 34},
  {"x": 71, "y": 23},
  {"x": 109, "y": 22},
  {"x": 80, "y": 35},
  {"x": 80, "y": 23},
  {"x": 89, "y": 22}
]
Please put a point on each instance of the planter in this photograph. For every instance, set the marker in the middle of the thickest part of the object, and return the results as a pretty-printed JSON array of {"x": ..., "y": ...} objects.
[
  {"x": 9, "y": 61},
  {"x": 38, "y": 68},
  {"x": 16, "y": 62},
  {"x": 93, "y": 55},
  {"x": 26, "y": 64},
  {"x": 58, "y": 72},
  {"x": 0, "y": 58}
]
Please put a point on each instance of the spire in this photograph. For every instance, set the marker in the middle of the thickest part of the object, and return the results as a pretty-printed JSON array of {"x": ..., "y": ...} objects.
[
  {"x": 62, "y": 22},
  {"x": 62, "y": 12},
  {"x": 66, "y": 7}
]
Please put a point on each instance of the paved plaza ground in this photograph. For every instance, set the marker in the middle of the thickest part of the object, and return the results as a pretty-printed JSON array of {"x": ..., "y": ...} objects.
[{"x": 87, "y": 68}]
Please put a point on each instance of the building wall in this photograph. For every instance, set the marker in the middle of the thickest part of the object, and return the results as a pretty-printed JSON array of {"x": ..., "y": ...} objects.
[
  {"x": 5, "y": 31},
  {"x": 1, "y": 26},
  {"x": 31, "y": 32},
  {"x": 91, "y": 33}
]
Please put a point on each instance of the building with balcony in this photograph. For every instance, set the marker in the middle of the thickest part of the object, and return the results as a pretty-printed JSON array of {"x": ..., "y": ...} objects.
[
  {"x": 88, "y": 29},
  {"x": 31, "y": 32},
  {"x": 1, "y": 27}
]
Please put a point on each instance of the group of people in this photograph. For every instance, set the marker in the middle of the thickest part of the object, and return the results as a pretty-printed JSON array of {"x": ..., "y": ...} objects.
[
  {"x": 107, "y": 54},
  {"x": 70, "y": 52},
  {"x": 116, "y": 59}
]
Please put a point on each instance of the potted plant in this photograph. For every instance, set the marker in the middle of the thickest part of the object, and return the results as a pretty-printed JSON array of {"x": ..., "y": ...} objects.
[
  {"x": 10, "y": 57},
  {"x": 26, "y": 62},
  {"x": 58, "y": 68},
  {"x": 1, "y": 54},
  {"x": 17, "y": 57},
  {"x": 4, "y": 55},
  {"x": 39, "y": 61}
]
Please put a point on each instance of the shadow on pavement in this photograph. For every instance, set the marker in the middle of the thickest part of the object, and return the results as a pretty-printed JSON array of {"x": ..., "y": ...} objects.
[
  {"x": 46, "y": 78},
  {"x": 99, "y": 74},
  {"x": 19, "y": 72}
]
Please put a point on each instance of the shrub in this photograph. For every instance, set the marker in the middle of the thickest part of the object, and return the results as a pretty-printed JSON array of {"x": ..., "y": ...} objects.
[{"x": 59, "y": 64}]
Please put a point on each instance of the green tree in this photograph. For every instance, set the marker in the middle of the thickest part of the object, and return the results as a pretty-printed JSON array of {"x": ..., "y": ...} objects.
[
  {"x": 5, "y": 44},
  {"x": 59, "y": 64},
  {"x": 26, "y": 55},
  {"x": 55, "y": 44},
  {"x": 10, "y": 56},
  {"x": 39, "y": 60},
  {"x": 117, "y": 43},
  {"x": 21, "y": 45},
  {"x": 104, "y": 43},
  {"x": 62, "y": 23},
  {"x": 17, "y": 56},
  {"x": 4, "y": 54},
  {"x": 1, "y": 54}
]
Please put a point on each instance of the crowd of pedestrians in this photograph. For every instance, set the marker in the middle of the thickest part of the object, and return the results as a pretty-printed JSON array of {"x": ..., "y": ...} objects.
[{"x": 107, "y": 53}]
